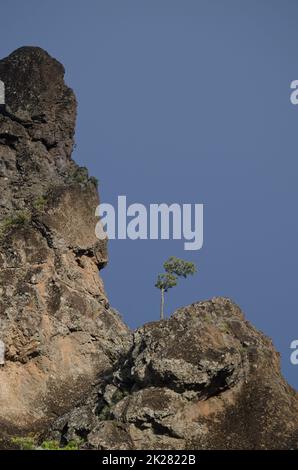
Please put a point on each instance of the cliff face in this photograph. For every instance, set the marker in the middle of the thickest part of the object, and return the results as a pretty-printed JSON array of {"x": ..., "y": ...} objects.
[
  {"x": 203, "y": 379},
  {"x": 55, "y": 321}
]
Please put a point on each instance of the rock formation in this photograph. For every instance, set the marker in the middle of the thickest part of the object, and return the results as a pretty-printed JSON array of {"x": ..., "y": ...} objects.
[
  {"x": 55, "y": 321},
  {"x": 203, "y": 379}
]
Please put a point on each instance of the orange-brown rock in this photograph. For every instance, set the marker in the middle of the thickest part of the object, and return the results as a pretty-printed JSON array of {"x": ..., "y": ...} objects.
[{"x": 55, "y": 320}]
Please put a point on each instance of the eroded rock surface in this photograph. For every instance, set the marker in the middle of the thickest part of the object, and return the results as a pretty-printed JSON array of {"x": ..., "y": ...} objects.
[
  {"x": 204, "y": 379},
  {"x": 55, "y": 320}
]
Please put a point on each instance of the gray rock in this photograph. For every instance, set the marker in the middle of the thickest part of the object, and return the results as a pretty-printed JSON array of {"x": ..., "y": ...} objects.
[{"x": 204, "y": 379}]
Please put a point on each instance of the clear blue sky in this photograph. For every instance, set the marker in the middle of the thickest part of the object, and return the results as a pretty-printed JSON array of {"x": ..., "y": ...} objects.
[{"x": 187, "y": 101}]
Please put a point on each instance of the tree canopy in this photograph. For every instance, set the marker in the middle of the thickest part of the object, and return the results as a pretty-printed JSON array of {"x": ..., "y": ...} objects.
[{"x": 174, "y": 268}]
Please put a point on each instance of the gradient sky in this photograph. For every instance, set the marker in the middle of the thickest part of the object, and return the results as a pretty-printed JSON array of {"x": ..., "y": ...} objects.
[{"x": 187, "y": 101}]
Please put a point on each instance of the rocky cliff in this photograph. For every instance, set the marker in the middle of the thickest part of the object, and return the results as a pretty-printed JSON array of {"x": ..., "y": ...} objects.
[
  {"x": 58, "y": 329},
  {"x": 203, "y": 379}
]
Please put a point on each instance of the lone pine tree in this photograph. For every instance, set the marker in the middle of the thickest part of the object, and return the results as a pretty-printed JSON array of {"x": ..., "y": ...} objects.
[{"x": 174, "y": 267}]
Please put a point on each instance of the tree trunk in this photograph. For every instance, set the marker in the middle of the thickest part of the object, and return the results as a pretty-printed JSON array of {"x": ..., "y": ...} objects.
[{"x": 162, "y": 302}]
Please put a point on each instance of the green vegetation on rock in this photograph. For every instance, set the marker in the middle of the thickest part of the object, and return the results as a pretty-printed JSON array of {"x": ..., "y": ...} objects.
[
  {"x": 17, "y": 218},
  {"x": 54, "y": 445},
  {"x": 80, "y": 175},
  {"x": 24, "y": 443},
  {"x": 30, "y": 443},
  {"x": 40, "y": 203},
  {"x": 174, "y": 267}
]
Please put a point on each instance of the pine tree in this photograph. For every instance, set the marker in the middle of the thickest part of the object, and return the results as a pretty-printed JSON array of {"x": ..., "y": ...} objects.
[{"x": 175, "y": 268}]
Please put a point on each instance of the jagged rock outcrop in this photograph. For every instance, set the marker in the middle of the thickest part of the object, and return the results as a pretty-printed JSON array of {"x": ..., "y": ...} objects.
[
  {"x": 204, "y": 379},
  {"x": 55, "y": 320}
]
